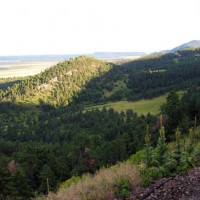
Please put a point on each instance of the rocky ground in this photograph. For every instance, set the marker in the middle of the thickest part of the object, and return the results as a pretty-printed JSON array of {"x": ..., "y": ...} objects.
[{"x": 180, "y": 187}]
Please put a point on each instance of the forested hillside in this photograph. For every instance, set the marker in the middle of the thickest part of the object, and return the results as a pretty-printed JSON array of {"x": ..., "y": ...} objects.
[
  {"x": 59, "y": 84},
  {"x": 46, "y": 133},
  {"x": 86, "y": 80},
  {"x": 145, "y": 78}
]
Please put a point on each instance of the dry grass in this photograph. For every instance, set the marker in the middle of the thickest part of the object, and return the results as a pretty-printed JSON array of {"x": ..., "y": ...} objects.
[{"x": 99, "y": 186}]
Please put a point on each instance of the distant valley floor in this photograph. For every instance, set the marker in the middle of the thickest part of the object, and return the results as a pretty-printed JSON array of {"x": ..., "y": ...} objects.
[{"x": 21, "y": 69}]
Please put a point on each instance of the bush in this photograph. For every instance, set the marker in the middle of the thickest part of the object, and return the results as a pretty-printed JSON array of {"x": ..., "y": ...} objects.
[
  {"x": 148, "y": 174},
  {"x": 145, "y": 182},
  {"x": 137, "y": 158},
  {"x": 122, "y": 188}
]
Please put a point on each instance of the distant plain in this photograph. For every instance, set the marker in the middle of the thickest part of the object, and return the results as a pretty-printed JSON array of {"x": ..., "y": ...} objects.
[
  {"x": 24, "y": 68},
  {"x": 20, "y": 66}
]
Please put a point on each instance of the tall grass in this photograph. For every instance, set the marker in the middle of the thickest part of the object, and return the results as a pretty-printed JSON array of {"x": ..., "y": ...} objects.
[{"x": 99, "y": 186}]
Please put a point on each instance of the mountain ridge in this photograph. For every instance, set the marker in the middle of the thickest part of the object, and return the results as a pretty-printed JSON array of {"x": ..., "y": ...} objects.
[
  {"x": 188, "y": 45},
  {"x": 191, "y": 44}
]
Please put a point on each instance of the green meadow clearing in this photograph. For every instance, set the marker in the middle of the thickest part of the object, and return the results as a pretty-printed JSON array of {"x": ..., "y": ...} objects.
[{"x": 141, "y": 107}]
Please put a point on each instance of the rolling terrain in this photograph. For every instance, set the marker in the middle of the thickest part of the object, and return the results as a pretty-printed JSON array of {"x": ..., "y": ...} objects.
[
  {"x": 48, "y": 128},
  {"x": 18, "y": 66},
  {"x": 85, "y": 80}
]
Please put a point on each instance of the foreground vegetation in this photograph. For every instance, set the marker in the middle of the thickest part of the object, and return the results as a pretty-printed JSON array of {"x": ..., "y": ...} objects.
[
  {"x": 107, "y": 183},
  {"x": 117, "y": 182}
]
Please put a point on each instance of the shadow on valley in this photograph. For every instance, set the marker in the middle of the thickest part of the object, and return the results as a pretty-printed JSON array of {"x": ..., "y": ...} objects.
[
  {"x": 85, "y": 80},
  {"x": 145, "y": 78},
  {"x": 9, "y": 82}
]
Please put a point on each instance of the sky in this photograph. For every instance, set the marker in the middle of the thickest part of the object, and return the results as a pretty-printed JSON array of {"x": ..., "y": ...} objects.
[{"x": 34, "y": 27}]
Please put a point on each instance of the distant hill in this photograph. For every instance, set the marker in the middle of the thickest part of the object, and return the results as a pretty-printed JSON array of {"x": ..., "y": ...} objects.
[
  {"x": 189, "y": 45},
  {"x": 58, "y": 84}
]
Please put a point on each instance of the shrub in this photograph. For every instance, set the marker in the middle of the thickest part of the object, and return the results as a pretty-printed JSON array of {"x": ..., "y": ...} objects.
[
  {"x": 145, "y": 182},
  {"x": 122, "y": 188},
  {"x": 148, "y": 174},
  {"x": 137, "y": 158}
]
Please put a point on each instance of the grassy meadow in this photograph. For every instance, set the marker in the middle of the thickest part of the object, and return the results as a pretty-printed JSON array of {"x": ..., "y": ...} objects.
[{"x": 143, "y": 106}]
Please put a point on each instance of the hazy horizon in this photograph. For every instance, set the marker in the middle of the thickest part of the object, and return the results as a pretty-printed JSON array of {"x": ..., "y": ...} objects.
[
  {"x": 49, "y": 27},
  {"x": 77, "y": 54}
]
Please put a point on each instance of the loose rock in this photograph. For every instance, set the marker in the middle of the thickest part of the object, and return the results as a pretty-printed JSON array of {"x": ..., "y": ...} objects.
[{"x": 180, "y": 187}]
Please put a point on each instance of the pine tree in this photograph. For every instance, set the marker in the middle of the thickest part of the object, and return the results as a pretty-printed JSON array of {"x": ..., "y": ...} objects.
[
  {"x": 162, "y": 157},
  {"x": 161, "y": 145},
  {"x": 6, "y": 186},
  {"x": 189, "y": 157},
  {"x": 178, "y": 148},
  {"x": 173, "y": 112},
  {"x": 47, "y": 173},
  {"x": 21, "y": 185}
]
